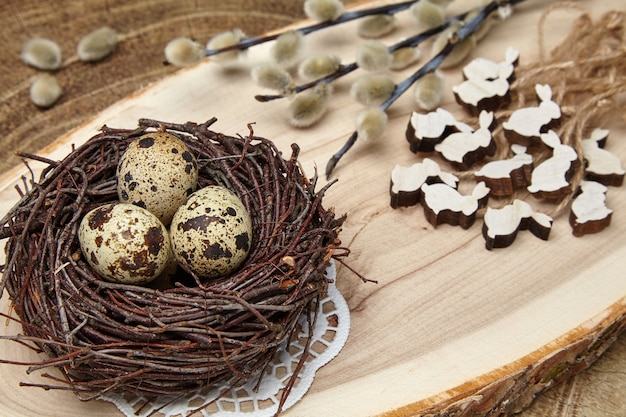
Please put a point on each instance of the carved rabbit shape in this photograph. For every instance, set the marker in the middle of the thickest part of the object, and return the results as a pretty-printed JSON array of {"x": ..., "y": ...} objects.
[
  {"x": 444, "y": 204},
  {"x": 486, "y": 69},
  {"x": 504, "y": 176},
  {"x": 603, "y": 166},
  {"x": 550, "y": 178},
  {"x": 466, "y": 148},
  {"x": 501, "y": 225},
  {"x": 487, "y": 84},
  {"x": 473, "y": 91},
  {"x": 530, "y": 122},
  {"x": 589, "y": 213}
]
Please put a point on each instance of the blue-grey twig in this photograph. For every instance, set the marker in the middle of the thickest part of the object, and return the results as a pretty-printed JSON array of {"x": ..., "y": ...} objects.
[
  {"x": 348, "y": 68},
  {"x": 468, "y": 29},
  {"x": 345, "y": 17}
]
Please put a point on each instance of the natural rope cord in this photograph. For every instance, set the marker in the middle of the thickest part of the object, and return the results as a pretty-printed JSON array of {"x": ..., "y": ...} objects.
[
  {"x": 106, "y": 336},
  {"x": 587, "y": 72}
]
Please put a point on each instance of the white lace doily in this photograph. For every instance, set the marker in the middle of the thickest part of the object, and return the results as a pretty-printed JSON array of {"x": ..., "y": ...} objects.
[{"x": 329, "y": 336}]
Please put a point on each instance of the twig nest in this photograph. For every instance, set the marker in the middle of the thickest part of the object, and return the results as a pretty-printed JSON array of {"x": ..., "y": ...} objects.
[
  {"x": 42, "y": 53},
  {"x": 124, "y": 243},
  {"x": 189, "y": 334},
  {"x": 212, "y": 232}
]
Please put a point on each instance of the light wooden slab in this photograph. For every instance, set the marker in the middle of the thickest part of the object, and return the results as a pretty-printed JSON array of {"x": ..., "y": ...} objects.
[{"x": 447, "y": 318}]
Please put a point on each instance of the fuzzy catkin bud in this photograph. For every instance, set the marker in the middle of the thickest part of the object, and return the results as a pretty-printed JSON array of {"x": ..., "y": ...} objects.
[
  {"x": 41, "y": 53},
  {"x": 460, "y": 51},
  {"x": 319, "y": 66},
  {"x": 428, "y": 13},
  {"x": 308, "y": 107},
  {"x": 428, "y": 90},
  {"x": 45, "y": 91},
  {"x": 376, "y": 26},
  {"x": 274, "y": 77},
  {"x": 372, "y": 90},
  {"x": 224, "y": 40},
  {"x": 404, "y": 57},
  {"x": 370, "y": 123},
  {"x": 183, "y": 51},
  {"x": 97, "y": 44},
  {"x": 373, "y": 56},
  {"x": 323, "y": 10},
  {"x": 287, "y": 48}
]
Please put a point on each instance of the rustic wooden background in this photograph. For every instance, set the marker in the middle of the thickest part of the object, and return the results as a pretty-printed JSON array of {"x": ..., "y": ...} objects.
[{"x": 138, "y": 61}]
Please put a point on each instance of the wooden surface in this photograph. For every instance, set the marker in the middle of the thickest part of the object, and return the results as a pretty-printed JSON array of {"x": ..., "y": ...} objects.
[{"x": 459, "y": 293}]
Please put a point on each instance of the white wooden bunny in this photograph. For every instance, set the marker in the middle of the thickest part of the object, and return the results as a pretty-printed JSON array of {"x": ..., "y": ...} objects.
[
  {"x": 602, "y": 165},
  {"x": 527, "y": 124},
  {"x": 487, "y": 84},
  {"x": 589, "y": 213},
  {"x": 424, "y": 131},
  {"x": 463, "y": 149},
  {"x": 504, "y": 176},
  {"x": 550, "y": 179},
  {"x": 444, "y": 204},
  {"x": 501, "y": 225}
]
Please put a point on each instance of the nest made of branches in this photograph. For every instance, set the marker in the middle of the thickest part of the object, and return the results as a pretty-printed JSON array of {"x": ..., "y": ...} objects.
[{"x": 106, "y": 336}]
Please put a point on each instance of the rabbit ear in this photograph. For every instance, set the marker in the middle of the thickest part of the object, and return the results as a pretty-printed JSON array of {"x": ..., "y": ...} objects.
[
  {"x": 485, "y": 119},
  {"x": 544, "y": 92},
  {"x": 551, "y": 139},
  {"x": 599, "y": 135},
  {"x": 480, "y": 191},
  {"x": 511, "y": 56},
  {"x": 518, "y": 149}
]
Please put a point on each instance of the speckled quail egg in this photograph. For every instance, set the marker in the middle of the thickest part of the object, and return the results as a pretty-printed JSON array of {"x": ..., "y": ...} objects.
[
  {"x": 157, "y": 172},
  {"x": 212, "y": 232},
  {"x": 124, "y": 243}
]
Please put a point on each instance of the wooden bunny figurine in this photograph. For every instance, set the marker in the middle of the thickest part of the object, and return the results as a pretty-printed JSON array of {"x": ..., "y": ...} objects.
[
  {"x": 444, "y": 204},
  {"x": 463, "y": 149},
  {"x": 602, "y": 165},
  {"x": 526, "y": 125},
  {"x": 487, "y": 84},
  {"x": 589, "y": 213},
  {"x": 550, "y": 179}
]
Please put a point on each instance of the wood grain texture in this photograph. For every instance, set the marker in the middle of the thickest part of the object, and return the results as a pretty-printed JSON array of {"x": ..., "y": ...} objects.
[{"x": 147, "y": 26}]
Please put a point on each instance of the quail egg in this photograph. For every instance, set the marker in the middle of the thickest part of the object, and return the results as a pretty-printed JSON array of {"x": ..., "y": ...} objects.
[
  {"x": 212, "y": 232},
  {"x": 157, "y": 172},
  {"x": 124, "y": 243}
]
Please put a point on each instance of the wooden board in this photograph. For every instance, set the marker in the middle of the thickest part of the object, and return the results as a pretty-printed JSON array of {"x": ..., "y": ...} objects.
[{"x": 450, "y": 325}]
